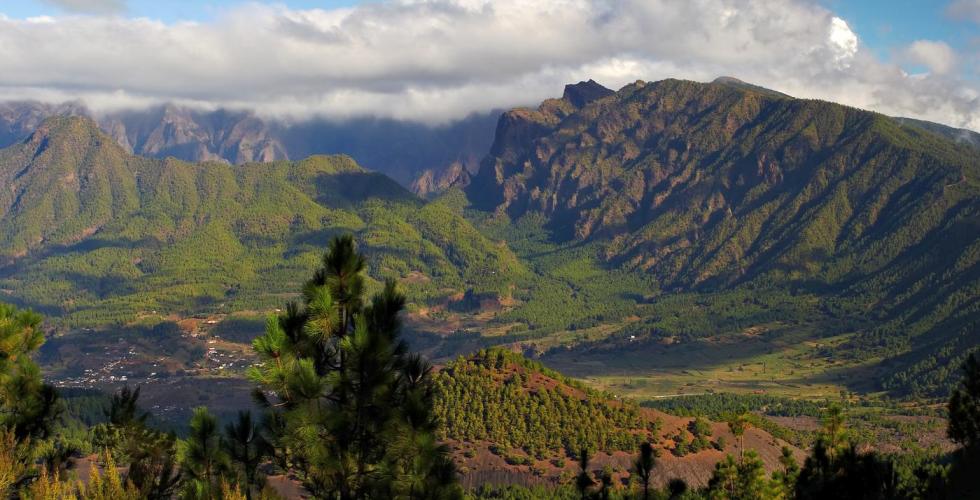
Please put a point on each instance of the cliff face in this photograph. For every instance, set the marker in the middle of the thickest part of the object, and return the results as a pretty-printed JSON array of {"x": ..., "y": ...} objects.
[
  {"x": 432, "y": 182},
  {"x": 234, "y": 137},
  {"x": 718, "y": 183}
]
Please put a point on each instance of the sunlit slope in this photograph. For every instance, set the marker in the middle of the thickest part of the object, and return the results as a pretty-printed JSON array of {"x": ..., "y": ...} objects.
[
  {"x": 725, "y": 186},
  {"x": 92, "y": 234}
]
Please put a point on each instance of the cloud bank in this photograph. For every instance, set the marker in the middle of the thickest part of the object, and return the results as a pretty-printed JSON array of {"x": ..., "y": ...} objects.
[
  {"x": 437, "y": 60},
  {"x": 937, "y": 56}
]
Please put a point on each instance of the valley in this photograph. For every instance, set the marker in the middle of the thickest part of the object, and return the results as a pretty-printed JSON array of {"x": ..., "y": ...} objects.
[{"x": 666, "y": 244}]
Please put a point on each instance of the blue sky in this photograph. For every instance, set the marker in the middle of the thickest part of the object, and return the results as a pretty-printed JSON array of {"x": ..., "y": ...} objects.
[{"x": 885, "y": 26}]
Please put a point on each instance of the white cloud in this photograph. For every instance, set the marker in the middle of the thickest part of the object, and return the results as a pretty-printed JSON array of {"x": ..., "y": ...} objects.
[
  {"x": 968, "y": 10},
  {"x": 435, "y": 60},
  {"x": 843, "y": 40},
  {"x": 90, "y": 6},
  {"x": 939, "y": 57}
]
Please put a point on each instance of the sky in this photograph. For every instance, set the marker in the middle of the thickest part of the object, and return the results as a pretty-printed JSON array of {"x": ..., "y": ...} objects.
[{"x": 438, "y": 60}]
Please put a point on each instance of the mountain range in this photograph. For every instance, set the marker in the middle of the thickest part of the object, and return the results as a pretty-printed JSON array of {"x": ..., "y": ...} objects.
[
  {"x": 597, "y": 212},
  {"x": 94, "y": 234},
  {"x": 405, "y": 151}
]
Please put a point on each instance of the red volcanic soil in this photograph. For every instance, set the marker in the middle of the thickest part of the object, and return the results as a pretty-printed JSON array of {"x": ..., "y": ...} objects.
[{"x": 480, "y": 465}]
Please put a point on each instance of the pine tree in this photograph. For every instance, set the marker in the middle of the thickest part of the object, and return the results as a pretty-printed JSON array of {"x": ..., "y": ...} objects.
[
  {"x": 149, "y": 453},
  {"x": 644, "y": 467},
  {"x": 584, "y": 481},
  {"x": 753, "y": 484},
  {"x": 964, "y": 407},
  {"x": 836, "y": 469},
  {"x": 786, "y": 478},
  {"x": 744, "y": 480},
  {"x": 738, "y": 424},
  {"x": 834, "y": 431},
  {"x": 724, "y": 481},
  {"x": 964, "y": 428},
  {"x": 153, "y": 469},
  {"x": 245, "y": 446},
  {"x": 108, "y": 485},
  {"x": 13, "y": 463},
  {"x": 676, "y": 488},
  {"x": 27, "y": 405},
  {"x": 606, "y": 483},
  {"x": 203, "y": 459},
  {"x": 352, "y": 406}
]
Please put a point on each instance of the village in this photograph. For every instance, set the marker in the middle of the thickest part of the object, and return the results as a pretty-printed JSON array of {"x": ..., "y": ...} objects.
[{"x": 184, "y": 357}]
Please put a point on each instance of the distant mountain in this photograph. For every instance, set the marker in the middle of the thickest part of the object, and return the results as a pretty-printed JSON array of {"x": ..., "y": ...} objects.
[
  {"x": 402, "y": 150},
  {"x": 960, "y": 135},
  {"x": 172, "y": 131},
  {"x": 739, "y": 84},
  {"x": 712, "y": 184},
  {"x": 720, "y": 185},
  {"x": 91, "y": 233},
  {"x": 18, "y": 120},
  {"x": 432, "y": 182}
]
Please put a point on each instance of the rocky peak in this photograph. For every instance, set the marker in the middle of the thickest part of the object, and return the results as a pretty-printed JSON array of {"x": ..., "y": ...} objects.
[
  {"x": 582, "y": 93},
  {"x": 733, "y": 82},
  {"x": 432, "y": 181}
]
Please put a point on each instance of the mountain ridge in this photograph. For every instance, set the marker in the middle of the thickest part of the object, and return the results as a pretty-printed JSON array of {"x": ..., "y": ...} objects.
[
  {"x": 88, "y": 231},
  {"x": 405, "y": 151},
  {"x": 537, "y": 188},
  {"x": 722, "y": 186}
]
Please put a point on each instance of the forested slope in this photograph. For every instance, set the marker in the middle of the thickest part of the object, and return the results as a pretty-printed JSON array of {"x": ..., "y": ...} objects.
[
  {"x": 722, "y": 186},
  {"x": 93, "y": 234},
  {"x": 510, "y": 419}
]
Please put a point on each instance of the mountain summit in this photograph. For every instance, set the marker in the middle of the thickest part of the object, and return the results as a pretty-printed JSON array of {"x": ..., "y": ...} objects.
[{"x": 582, "y": 93}]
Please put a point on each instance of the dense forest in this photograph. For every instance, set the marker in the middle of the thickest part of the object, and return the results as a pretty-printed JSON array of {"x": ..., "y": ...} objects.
[
  {"x": 488, "y": 397},
  {"x": 93, "y": 236}
]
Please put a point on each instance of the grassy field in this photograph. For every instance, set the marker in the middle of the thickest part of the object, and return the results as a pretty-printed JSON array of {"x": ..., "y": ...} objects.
[{"x": 785, "y": 361}]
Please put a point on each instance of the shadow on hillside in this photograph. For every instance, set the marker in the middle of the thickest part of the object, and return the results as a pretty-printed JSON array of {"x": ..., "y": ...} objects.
[
  {"x": 347, "y": 189},
  {"x": 85, "y": 246},
  {"x": 624, "y": 357}
]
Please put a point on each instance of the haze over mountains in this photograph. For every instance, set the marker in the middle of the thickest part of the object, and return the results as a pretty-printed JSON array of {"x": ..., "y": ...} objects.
[{"x": 405, "y": 151}]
